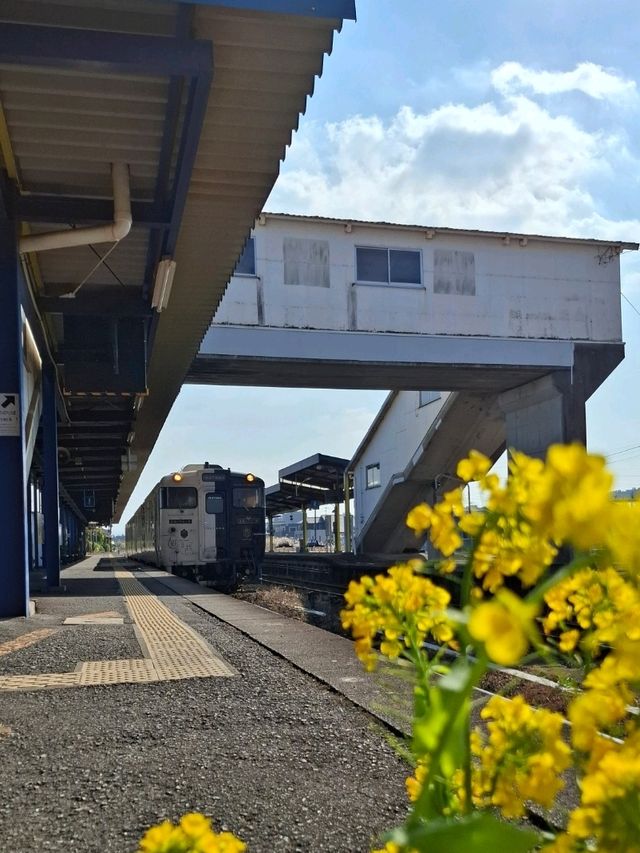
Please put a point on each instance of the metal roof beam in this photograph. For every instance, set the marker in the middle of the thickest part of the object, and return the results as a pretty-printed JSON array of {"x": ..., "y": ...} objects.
[
  {"x": 103, "y": 52},
  {"x": 307, "y": 8},
  {"x": 35, "y": 207},
  {"x": 114, "y": 302}
]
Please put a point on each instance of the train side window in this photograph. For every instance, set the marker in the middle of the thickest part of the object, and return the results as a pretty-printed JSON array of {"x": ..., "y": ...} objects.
[
  {"x": 178, "y": 497},
  {"x": 247, "y": 497},
  {"x": 213, "y": 504}
]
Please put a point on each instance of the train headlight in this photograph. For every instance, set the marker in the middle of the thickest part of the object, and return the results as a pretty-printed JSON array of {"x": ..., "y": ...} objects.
[
  {"x": 177, "y": 478},
  {"x": 250, "y": 478}
]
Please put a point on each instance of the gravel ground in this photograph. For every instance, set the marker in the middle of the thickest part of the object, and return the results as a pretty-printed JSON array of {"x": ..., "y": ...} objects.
[
  {"x": 70, "y": 644},
  {"x": 272, "y": 755}
]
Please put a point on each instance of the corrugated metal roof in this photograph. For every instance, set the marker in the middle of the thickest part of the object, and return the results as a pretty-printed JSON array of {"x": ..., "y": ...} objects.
[
  {"x": 433, "y": 230},
  {"x": 67, "y": 126},
  {"x": 269, "y": 62}
]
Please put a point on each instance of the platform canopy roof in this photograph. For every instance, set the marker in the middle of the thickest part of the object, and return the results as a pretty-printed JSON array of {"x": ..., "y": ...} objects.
[
  {"x": 199, "y": 101},
  {"x": 318, "y": 479}
]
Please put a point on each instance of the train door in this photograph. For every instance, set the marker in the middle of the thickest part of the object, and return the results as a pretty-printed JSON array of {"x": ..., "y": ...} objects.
[
  {"x": 213, "y": 526},
  {"x": 216, "y": 511}
]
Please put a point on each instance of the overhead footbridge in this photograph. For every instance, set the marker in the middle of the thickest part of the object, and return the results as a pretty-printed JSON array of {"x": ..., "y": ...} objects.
[
  {"x": 510, "y": 333},
  {"x": 138, "y": 141}
]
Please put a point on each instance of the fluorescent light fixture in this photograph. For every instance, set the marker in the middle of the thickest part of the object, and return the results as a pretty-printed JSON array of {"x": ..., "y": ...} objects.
[{"x": 162, "y": 284}]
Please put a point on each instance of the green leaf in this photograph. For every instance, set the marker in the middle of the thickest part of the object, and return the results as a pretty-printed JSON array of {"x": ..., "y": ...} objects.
[{"x": 470, "y": 834}]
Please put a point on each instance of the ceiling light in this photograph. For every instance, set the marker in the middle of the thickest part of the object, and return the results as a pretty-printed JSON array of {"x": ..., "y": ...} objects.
[{"x": 162, "y": 284}]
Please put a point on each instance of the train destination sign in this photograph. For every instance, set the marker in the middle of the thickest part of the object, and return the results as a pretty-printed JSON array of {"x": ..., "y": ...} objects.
[{"x": 9, "y": 414}]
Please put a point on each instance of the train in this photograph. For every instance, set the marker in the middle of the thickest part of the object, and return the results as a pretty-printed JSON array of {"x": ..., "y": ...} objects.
[{"x": 204, "y": 522}]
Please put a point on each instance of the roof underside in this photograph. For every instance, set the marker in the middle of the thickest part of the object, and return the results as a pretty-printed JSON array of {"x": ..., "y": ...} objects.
[{"x": 197, "y": 182}]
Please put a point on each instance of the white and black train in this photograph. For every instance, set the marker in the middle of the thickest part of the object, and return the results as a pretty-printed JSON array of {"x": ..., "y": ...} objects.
[{"x": 204, "y": 522}]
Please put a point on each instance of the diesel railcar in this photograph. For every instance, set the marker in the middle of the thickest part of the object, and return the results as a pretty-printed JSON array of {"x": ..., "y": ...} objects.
[{"x": 204, "y": 522}]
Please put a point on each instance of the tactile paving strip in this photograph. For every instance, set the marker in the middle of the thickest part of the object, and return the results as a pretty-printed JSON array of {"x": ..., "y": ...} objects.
[{"x": 175, "y": 651}]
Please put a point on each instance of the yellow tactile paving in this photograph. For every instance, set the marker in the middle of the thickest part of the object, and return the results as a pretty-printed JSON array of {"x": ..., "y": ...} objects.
[
  {"x": 175, "y": 650},
  {"x": 25, "y": 640}
]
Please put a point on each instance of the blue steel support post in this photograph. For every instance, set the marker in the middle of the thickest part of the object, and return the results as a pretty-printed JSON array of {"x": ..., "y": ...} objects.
[
  {"x": 29, "y": 510},
  {"x": 14, "y": 564},
  {"x": 50, "y": 496}
]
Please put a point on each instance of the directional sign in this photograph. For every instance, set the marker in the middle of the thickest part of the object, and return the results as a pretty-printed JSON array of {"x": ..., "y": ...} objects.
[{"x": 9, "y": 414}]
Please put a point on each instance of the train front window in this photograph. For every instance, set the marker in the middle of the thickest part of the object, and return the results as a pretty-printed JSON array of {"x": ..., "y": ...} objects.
[
  {"x": 247, "y": 497},
  {"x": 178, "y": 497},
  {"x": 213, "y": 504}
]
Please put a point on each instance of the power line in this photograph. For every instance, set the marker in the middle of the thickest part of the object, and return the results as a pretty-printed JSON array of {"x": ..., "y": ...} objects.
[
  {"x": 624, "y": 450},
  {"x": 630, "y": 303}
]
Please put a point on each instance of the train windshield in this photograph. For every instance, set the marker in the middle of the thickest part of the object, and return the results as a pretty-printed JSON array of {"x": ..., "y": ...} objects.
[
  {"x": 213, "y": 503},
  {"x": 178, "y": 497},
  {"x": 247, "y": 497}
]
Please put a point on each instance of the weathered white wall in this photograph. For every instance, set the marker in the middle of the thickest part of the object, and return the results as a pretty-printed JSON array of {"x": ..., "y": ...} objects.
[
  {"x": 391, "y": 443},
  {"x": 543, "y": 289}
]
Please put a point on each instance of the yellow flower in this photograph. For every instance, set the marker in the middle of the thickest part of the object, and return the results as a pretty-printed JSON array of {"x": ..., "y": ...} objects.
[
  {"x": 192, "y": 835},
  {"x": 400, "y": 604},
  {"x": 609, "y": 809},
  {"x": 414, "y": 783},
  {"x": 475, "y": 466},
  {"x": 595, "y": 710},
  {"x": 520, "y": 758},
  {"x": 195, "y": 825},
  {"x": 419, "y": 519},
  {"x": 163, "y": 838},
  {"x": 389, "y": 847},
  {"x": 504, "y": 625},
  {"x": 568, "y": 640}
]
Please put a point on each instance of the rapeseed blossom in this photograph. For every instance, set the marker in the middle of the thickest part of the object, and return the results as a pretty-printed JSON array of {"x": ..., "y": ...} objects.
[
  {"x": 505, "y": 626},
  {"x": 609, "y": 810},
  {"x": 402, "y": 606},
  {"x": 520, "y": 758},
  {"x": 545, "y": 509},
  {"x": 193, "y": 834}
]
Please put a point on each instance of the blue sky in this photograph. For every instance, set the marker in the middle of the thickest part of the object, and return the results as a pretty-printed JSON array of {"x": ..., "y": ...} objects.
[{"x": 511, "y": 116}]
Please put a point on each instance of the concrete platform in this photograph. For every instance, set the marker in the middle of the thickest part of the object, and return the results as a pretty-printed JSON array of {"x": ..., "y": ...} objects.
[
  {"x": 326, "y": 656},
  {"x": 123, "y": 737}
]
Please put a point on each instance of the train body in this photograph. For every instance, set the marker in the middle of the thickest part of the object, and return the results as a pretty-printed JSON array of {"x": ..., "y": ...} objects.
[{"x": 204, "y": 522}]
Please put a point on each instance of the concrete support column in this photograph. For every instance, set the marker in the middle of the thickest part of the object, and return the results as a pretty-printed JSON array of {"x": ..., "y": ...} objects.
[
  {"x": 336, "y": 528},
  {"x": 547, "y": 411},
  {"x": 14, "y": 565},
  {"x": 50, "y": 494},
  {"x": 347, "y": 513},
  {"x": 270, "y": 533}
]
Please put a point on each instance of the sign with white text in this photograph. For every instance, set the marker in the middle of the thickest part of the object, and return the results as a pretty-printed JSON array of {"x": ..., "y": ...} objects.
[{"x": 9, "y": 414}]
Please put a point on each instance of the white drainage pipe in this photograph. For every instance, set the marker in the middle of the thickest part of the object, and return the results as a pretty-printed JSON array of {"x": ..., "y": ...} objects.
[{"x": 111, "y": 233}]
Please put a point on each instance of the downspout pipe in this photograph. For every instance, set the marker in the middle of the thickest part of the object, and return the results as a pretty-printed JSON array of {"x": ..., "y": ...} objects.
[{"x": 111, "y": 233}]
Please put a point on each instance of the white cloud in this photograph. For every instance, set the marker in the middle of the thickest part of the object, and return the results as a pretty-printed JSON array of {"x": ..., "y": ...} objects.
[
  {"x": 511, "y": 165},
  {"x": 586, "y": 77}
]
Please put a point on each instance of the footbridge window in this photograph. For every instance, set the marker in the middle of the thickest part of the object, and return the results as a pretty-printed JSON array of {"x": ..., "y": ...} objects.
[
  {"x": 373, "y": 476},
  {"x": 427, "y": 397},
  {"x": 388, "y": 266},
  {"x": 247, "y": 262}
]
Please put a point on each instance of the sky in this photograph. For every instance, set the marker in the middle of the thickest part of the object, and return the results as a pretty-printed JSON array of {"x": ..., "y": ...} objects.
[{"x": 521, "y": 116}]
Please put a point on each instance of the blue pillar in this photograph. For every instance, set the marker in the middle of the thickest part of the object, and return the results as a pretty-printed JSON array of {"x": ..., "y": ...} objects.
[
  {"x": 50, "y": 496},
  {"x": 14, "y": 565},
  {"x": 30, "y": 554}
]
